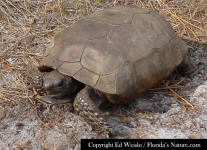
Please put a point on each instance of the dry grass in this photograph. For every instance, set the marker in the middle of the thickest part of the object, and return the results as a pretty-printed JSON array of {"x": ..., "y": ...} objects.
[
  {"x": 188, "y": 17},
  {"x": 26, "y": 28}
]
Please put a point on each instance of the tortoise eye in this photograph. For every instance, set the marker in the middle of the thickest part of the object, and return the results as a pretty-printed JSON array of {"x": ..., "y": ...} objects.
[{"x": 60, "y": 84}]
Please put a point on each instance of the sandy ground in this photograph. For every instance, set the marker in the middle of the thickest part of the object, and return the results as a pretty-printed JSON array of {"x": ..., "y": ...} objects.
[
  {"x": 176, "y": 108},
  {"x": 153, "y": 115}
]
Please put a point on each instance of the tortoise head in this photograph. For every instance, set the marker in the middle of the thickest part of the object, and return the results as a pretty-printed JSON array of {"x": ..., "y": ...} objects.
[{"x": 60, "y": 86}]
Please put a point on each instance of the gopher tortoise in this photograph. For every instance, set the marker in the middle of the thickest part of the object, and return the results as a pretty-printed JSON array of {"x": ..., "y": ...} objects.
[{"x": 114, "y": 54}]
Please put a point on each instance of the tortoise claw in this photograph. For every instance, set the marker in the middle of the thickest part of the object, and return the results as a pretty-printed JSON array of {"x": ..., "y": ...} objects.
[{"x": 51, "y": 100}]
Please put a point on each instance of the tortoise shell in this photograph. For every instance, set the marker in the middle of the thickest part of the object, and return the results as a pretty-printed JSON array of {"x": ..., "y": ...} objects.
[{"x": 121, "y": 50}]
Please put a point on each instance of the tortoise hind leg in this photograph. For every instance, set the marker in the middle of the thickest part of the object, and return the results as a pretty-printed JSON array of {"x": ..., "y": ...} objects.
[
  {"x": 87, "y": 106},
  {"x": 187, "y": 67}
]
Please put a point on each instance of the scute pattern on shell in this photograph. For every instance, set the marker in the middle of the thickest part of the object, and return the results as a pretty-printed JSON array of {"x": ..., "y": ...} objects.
[{"x": 122, "y": 50}]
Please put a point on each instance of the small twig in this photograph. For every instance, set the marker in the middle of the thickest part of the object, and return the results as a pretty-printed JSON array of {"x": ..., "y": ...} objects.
[
  {"x": 61, "y": 22},
  {"x": 173, "y": 87},
  {"x": 41, "y": 135},
  {"x": 30, "y": 112},
  {"x": 181, "y": 19},
  {"x": 177, "y": 95}
]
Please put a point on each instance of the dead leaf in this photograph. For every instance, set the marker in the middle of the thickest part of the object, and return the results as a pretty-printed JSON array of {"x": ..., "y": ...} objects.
[
  {"x": 21, "y": 145},
  {"x": 5, "y": 66},
  {"x": 49, "y": 7},
  {"x": 32, "y": 20}
]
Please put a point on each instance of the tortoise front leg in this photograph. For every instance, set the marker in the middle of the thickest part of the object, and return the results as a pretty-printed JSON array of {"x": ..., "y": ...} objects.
[{"x": 86, "y": 104}]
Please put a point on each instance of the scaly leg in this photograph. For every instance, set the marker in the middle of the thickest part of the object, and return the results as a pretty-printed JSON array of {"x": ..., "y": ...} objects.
[{"x": 86, "y": 104}]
